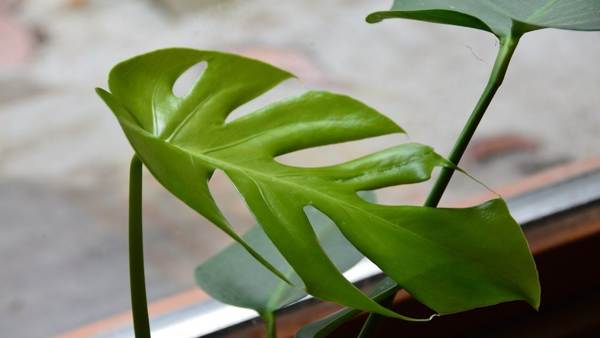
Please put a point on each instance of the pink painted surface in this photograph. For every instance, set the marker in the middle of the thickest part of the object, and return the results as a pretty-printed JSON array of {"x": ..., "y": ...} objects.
[{"x": 16, "y": 41}]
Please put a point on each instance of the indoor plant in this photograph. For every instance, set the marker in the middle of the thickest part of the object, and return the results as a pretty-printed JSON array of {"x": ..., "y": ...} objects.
[{"x": 478, "y": 252}]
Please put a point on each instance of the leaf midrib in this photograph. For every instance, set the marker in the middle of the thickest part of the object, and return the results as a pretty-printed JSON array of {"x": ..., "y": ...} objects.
[
  {"x": 497, "y": 8},
  {"x": 541, "y": 11},
  {"x": 224, "y": 165},
  {"x": 220, "y": 164}
]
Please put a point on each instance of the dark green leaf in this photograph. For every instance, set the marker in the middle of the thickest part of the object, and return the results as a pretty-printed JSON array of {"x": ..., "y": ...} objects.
[
  {"x": 236, "y": 278},
  {"x": 499, "y": 17},
  {"x": 449, "y": 259},
  {"x": 323, "y": 327}
]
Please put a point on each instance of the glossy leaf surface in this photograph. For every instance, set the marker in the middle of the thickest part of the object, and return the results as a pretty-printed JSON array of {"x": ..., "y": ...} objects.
[
  {"x": 502, "y": 18},
  {"x": 449, "y": 259},
  {"x": 236, "y": 278}
]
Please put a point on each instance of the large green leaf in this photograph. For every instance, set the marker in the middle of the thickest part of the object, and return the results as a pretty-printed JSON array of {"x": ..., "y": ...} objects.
[
  {"x": 499, "y": 17},
  {"x": 449, "y": 259},
  {"x": 236, "y": 278}
]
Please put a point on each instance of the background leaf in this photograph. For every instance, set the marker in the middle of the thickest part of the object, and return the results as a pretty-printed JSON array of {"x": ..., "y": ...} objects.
[
  {"x": 449, "y": 259},
  {"x": 324, "y": 326},
  {"x": 236, "y": 278},
  {"x": 499, "y": 17}
]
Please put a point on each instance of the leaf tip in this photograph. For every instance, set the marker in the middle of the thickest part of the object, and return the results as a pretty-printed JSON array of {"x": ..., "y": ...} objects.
[
  {"x": 291, "y": 75},
  {"x": 105, "y": 95},
  {"x": 374, "y": 17},
  {"x": 399, "y": 129},
  {"x": 535, "y": 299},
  {"x": 100, "y": 91},
  {"x": 393, "y": 128}
]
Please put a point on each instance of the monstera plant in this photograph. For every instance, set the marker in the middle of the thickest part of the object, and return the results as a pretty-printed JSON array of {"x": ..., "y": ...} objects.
[
  {"x": 316, "y": 222},
  {"x": 508, "y": 20}
]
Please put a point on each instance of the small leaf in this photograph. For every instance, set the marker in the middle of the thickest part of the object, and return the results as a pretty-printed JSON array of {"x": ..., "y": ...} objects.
[
  {"x": 236, "y": 278},
  {"x": 502, "y": 18},
  {"x": 449, "y": 259}
]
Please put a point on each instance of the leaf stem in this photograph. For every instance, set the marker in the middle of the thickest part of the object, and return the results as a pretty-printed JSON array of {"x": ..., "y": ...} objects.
[
  {"x": 270, "y": 324},
  {"x": 137, "y": 282},
  {"x": 507, "y": 48}
]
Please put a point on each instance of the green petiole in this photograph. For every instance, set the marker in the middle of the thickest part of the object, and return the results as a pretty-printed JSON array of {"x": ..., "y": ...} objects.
[
  {"x": 139, "y": 304},
  {"x": 507, "y": 48}
]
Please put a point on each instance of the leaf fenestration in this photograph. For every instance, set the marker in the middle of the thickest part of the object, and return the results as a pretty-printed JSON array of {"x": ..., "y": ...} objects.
[
  {"x": 245, "y": 283},
  {"x": 449, "y": 259}
]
